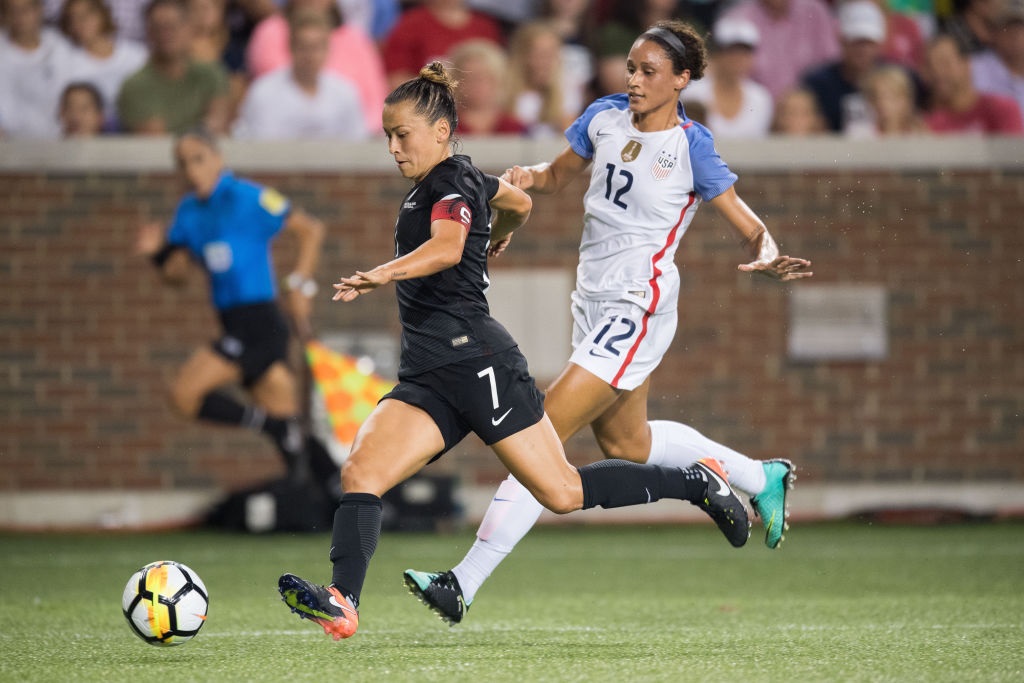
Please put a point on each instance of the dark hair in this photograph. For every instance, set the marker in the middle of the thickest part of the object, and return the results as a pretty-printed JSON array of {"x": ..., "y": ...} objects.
[
  {"x": 693, "y": 57},
  {"x": 86, "y": 87},
  {"x": 303, "y": 19},
  {"x": 154, "y": 5},
  {"x": 109, "y": 25},
  {"x": 432, "y": 92},
  {"x": 202, "y": 134}
]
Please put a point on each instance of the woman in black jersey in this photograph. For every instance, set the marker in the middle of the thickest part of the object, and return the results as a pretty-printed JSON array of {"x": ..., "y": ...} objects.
[{"x": 460, "y": 370}]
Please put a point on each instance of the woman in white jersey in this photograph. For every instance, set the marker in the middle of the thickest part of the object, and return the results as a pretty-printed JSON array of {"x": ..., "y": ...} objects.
[{"x": 650, "y": 169}]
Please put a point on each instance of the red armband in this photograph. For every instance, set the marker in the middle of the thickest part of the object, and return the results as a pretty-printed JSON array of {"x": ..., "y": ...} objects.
[{"x": 452, "y": 208}]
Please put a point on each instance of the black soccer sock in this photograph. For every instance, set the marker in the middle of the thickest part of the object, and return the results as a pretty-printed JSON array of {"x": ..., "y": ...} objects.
[
  {"x": 285, "y": 432},
  {"x": 220, "y": 407},
  {"x": 353, "y": 541},
  {"x": 618, "y": 483}
]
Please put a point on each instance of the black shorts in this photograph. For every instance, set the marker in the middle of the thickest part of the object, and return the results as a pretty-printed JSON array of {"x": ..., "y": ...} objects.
[
  {"x": 492, "y": 396},
  {"x": 255, "y": 337}
]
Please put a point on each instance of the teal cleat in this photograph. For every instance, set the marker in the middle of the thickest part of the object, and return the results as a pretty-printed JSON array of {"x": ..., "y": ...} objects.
[
  {"x": 771, "y": 504},
  {"x": 440, "y": 591}
]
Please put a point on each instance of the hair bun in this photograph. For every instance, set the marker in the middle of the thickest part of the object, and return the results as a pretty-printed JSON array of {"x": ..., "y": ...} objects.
[{"x": 435, "y": 72}]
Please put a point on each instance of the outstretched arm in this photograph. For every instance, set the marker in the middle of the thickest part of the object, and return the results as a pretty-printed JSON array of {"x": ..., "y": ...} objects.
[
  {"x": 548, "y": 178},
  {"x": 545, "y": 178},
  {"x": 759, "y": 243},
  {"x": 443, "y": 250},
  {"x": 171, "y": 261}
]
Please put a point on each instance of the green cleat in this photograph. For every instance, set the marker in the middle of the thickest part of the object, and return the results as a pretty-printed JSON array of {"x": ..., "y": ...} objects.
[
  {"x": 440, "y": 592},
  {"x": 771, "y": 504}
]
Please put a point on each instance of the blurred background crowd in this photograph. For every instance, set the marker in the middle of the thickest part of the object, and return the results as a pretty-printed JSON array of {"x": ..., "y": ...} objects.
[{"x": 300, "y": 69}]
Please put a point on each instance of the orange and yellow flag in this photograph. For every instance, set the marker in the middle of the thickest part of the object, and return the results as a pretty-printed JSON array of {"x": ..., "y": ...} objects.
[{"x": 349, "y": 394}]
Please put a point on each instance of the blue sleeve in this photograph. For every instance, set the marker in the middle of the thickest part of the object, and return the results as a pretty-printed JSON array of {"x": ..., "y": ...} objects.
[
  {"x": 711, "y": 176},
  {"x": 270, "y": 208},
  {"x": 578, "y": 134}
]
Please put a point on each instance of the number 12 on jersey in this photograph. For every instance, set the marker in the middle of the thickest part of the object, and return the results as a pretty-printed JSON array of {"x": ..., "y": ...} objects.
[{"x": 621, "y": 190}]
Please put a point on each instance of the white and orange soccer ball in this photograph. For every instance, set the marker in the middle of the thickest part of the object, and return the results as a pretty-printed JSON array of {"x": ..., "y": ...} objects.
[{"x": 165, "y": 603}]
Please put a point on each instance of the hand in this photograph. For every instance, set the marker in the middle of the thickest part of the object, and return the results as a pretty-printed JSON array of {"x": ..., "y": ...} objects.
[
  {"x": 498, "y": 248},
  {"x": 783, "y": 268},
  {"x": 518, "y": 176},
  {"x": 149, "y": 239},
  {"x": 348, "y": 288}
]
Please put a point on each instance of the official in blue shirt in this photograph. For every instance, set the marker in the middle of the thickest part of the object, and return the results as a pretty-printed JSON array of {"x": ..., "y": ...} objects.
[{"x": 226, "y": 225}]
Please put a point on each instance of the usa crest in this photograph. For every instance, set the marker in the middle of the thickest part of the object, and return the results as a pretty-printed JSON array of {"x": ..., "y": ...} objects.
[
  {"x": 663, "y": 165},
  {"x": 631, "y": 151}
]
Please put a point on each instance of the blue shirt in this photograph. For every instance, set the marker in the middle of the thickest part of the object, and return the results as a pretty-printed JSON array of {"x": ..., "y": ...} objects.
[{"x": 230, "y": 233}]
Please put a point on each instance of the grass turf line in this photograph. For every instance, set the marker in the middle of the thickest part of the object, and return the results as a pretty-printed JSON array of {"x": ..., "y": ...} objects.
[{"x": 839, "y": 602}]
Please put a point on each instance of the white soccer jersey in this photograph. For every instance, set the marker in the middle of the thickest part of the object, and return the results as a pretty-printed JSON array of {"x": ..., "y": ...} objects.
[{"x": 644, "y": 190}]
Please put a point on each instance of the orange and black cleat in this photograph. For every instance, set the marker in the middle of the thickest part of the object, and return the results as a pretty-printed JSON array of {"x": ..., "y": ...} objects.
[{"x": 323, "y": 604}]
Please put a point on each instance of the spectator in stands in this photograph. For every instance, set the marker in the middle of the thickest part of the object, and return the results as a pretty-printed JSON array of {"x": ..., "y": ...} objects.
[
  {"x": 81, "y": 110},
  {"x": 957, "y": 106},
  {"x": 973, "y": 23},
  {"x": 508, "y": 13},
  {"x": 375, "y": 17},
  {"x": 890, "y": 94},
  {"x": 431, "y": 30},
  {"x": 1001, "y": 70},
  {"x": 481, "y": 68},
  {"x": 351, "y": 53},
  {"x": 213, "y": 42},
  {"x": 572, "y": 20},
  {"x": 172, "y": 93},
  {"x": 904, "y": 43},
  {"x": 797, "y": 114},
  {"x": 101, "y": 57},
  {"x": 796, "y": 35},
  {"x": 835, "y": 85},
  {"x": 35, "y": 65},
  {"x": 537, "y": 96},
  {"x": 128, "y": 16},
  {"x": 303, "y": 100},
  {"x": 612, "y": 40},
  {"x": 734, "y": 105}
]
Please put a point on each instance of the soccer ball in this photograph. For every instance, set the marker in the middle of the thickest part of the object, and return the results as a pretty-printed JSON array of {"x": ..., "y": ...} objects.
[{"x": 165, "y": 603}]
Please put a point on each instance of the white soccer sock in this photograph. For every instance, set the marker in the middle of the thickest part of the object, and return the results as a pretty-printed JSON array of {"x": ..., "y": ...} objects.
[
  {"x": 679, "y": 445},
  {"x": 511, "y": 514}
]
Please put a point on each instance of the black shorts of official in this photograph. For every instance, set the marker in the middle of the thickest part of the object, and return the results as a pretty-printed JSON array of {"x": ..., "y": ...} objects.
[
  {"x": 492, "y": 396},
  {"x": 255, "y": 337}
]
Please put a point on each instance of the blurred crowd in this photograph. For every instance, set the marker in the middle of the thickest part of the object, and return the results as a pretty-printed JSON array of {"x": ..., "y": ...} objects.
[{"x": 293, "y": 69}]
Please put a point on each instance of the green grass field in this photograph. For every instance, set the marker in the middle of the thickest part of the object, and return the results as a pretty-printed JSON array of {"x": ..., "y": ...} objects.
[{"x": 839, "y": 602}]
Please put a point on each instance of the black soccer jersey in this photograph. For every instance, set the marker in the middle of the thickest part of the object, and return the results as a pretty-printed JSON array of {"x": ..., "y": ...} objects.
[{"x": 445, "y": 317}]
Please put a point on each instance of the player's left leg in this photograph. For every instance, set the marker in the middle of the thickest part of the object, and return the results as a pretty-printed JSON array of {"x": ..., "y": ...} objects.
[
  {"x": 536, "y": 458},
  {"x": 394, "y": 443},
  {"x": 624, "y": 431}
]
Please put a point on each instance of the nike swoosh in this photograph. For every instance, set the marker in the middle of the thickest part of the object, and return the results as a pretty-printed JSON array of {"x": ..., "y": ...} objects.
[
  {"x": 723, "y": 488},
  {"x": 344, "y": 608},
  {"x": 599, "y": 355},
  {"x": 498, "y": 421}
]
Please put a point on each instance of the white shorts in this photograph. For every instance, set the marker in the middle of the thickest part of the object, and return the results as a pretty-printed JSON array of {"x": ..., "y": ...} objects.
[{"x": 619, "y": 341}]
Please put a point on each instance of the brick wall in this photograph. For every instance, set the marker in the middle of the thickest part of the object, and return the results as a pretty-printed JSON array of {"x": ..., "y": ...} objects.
[{"x": 89, "y": 338}]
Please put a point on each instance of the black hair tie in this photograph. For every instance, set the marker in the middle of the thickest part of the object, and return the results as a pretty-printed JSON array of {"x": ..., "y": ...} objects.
[{"x": 668, "y": 39}]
